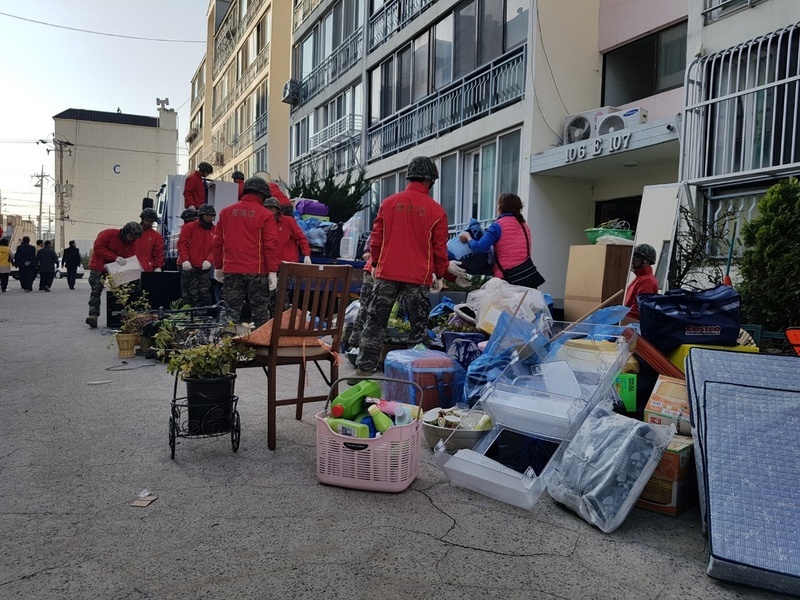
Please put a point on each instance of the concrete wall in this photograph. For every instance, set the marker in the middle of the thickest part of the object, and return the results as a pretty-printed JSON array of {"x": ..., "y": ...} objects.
[{"x": 622, "y": 21}]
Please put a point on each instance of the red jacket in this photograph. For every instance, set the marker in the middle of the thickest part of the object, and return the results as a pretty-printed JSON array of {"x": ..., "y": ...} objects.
[
  {"x": 107, "y": 247},
  {"x": 409, "y": 237},
  {"x": 195, "y": 243},
  {"x": 278, "y": 194},
  {"x": 644, "y": 283},
  {"x": 290, "y": 237},
  {"x": 150, "y": 250},
  {"x": 246, "y": 238},
  {"x": 194, "y": 191}
]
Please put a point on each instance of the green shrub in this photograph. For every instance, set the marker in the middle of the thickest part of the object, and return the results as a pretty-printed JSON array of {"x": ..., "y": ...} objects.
[
  {"x": 344, "y": 197},
  {"x": 770, "y": 266}
]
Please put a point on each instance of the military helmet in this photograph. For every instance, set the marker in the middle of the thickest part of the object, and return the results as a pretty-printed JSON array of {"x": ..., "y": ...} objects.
[
  {"x": 207, "y": 209},
  {"x": 133, "y": 228},
  {"x": 272, "y": 202},
  {"x": 422, "y": 167},
  {"x": 237, "y": 175},
  {"x": 258, "y": 186},
  {"x": 149, "y": 214},
  {"x": 204, "y": 167},
  {"x": 647, "y": 252},
  {"x": 190, "y": 214}
]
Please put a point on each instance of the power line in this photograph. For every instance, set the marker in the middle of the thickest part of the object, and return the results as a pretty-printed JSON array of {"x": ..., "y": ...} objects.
[{"x": 117, "y": 35}]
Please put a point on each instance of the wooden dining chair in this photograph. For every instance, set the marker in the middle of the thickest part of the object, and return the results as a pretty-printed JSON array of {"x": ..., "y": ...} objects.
[{"x": 318, "y": 298}]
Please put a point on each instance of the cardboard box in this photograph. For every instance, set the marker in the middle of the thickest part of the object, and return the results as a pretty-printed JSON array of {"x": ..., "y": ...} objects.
[
  {"x": 669, "y": 403},
  {"x": 594, "y": 274},
  {"x": 677, "y": 460},
  {"x": 669, "y": 497},
  {"x": 678, "y": 356}
]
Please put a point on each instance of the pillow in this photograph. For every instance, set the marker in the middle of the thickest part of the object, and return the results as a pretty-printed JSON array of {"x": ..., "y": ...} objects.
[{"x": 263, "y": 335}]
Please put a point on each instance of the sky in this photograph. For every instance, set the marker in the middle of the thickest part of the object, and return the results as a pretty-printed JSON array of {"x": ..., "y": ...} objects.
[{"x": 46, "y": 70}]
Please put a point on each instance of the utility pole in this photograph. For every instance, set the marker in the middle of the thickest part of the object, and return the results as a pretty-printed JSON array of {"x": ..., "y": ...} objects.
[
  {"x": 60, "y": 190},
  {"x": 40, "y": 184}
]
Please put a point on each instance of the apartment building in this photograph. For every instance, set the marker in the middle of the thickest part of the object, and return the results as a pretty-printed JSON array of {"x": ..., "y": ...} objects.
[{"x": 238, "y": 122}]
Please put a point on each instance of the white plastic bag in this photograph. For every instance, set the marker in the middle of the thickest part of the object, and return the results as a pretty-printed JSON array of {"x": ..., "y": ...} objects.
[{"x": 497, "y": 295}]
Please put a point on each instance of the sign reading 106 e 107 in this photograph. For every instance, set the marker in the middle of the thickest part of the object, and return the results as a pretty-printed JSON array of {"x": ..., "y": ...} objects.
[{"x": 597, "y": 147}]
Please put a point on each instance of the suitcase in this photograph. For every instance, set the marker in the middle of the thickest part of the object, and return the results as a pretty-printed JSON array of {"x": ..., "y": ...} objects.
[{"x": 440, "y": 377}]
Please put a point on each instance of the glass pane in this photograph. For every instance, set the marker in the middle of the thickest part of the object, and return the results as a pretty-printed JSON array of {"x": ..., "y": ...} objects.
[
  {"x": 388, "y": 186},
  {"x": 388, "y": 82},
  {"x": 447, "y": 186},
  {"x": 671, "y": 57},
  {"x": 509, "y": 163},
  {"x": 516, "y": 22},
  {"x": 404, "y": 77},
  {"x": 443, "y": 53},
  {"x": 490, "y": 28},
  {"x": 465, "y": 40},
  {"x": 628, "y": 72},
  {"x": 420, "y": 67},
  {"x": 375, "y": 96},
  {"x": 488, "y": 168}
]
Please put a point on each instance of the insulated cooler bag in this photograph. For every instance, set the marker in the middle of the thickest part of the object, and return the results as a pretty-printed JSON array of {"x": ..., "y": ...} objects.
[
  {"x": 440, "y": 377},
  {"x": 690, "y": 317}
]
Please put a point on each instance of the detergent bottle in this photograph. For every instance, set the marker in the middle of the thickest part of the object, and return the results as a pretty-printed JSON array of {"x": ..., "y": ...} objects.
[
  {"x": 351, "y": 401},
  {"x": 382, "y": 421},
  {"x": 402, "y": 416},
  {"x": 348, "y": 427}
]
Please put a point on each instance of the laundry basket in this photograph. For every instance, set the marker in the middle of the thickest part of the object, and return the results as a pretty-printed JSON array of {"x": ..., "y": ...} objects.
[{"x": 385, "y": 464}]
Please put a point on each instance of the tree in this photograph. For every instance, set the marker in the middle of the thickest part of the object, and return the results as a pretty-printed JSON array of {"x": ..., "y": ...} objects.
[
  {"x": 343, "y": 198},
  {"x": 770, "y": 266}
]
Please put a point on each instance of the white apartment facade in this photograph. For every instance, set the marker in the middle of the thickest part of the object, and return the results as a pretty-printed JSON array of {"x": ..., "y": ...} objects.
[
  {"x": 110, "y": 161},
  {"x": 238, "y": 122}
]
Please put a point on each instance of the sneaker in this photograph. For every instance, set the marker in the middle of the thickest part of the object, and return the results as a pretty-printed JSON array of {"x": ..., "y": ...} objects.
[
  {"x": 91, "y": 321},
  {"x": 47, "y": 289}
]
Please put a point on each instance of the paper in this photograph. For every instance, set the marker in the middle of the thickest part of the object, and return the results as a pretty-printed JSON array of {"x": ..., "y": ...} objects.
[{"x": 145, "y": 501}]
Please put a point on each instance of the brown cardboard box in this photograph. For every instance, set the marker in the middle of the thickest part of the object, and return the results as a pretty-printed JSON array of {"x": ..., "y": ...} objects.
[
  {"x": 594, "y": 273},
  {"x": 669, "y": 403},
  {"x": 669, "y": 497},
  {"x": 676, "y": 462}
]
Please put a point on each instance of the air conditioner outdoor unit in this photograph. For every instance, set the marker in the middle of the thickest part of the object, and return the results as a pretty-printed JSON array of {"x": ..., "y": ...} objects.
[
  {"x": 621, "y": 120},
  {"x": 291, "y": 92},
  {"x": 581, "y": 126}
]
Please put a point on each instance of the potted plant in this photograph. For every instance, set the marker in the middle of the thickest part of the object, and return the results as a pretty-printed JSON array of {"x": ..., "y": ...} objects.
[
  {"x": 134, "y": 315},
  {"x": 206, "y": 369}
]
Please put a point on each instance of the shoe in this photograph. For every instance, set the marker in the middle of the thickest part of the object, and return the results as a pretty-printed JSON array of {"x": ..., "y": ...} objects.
[
  {"x": 30, "y": 290},
  {"x": 47, "y": 289},
  {"x": 91, "y": 321},
  {"x": 72, "y": 288}
]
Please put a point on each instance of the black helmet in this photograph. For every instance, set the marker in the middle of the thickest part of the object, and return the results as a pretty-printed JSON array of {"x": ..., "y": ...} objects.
[
  {"x": 422, "y": 167},
  {"x": 204, "y": 167},
  {"x": 189, "y": 215},
  {"x": 257, "y": 185},
  {"x": 207, "y": 209},
  {"x": 271, "y": 202},
  {"x": 149, "y": 214},
  {"x": 237, "y": 175},
  {"x": 647, "y": 252},
  {"x": 133, "y": 228}
]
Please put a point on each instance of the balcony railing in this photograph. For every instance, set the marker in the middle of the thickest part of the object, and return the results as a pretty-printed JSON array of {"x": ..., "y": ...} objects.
[
  {"x": 480, "y": 93},
  {"x": 222, "y": 108},
  {"x": 231, "y": 31},
  {"x": 717, "y": 9},
  {"x": 244, "y": 81},
  {"x": 196, "y": 100},
  {"x": 338, "y": 131},
  {"x": 392, "y": 17},
  {"x": 302, "y": 10},
  {"x": 343, "y": 157},
  {"x": 328, "y": 71},
  {"x": 262, "y": 126}
]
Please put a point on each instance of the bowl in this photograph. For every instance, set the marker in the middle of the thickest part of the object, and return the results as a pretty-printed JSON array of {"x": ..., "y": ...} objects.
[
  {"x": 461, "y": 438},
  {"x": 595, "y": 232}
]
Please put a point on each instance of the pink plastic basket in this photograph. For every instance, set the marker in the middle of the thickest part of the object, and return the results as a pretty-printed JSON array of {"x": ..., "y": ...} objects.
[{"x": 385, "y": 464}]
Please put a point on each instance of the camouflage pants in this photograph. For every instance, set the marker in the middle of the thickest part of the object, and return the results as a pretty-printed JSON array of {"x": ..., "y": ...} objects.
[
  {"x": 366, "y": 292},
  {"x": 195, "y": 287},
  {"x": 384, "y": 294},
  {"x": 239, "y": 287},
  {"x": 96, "y": 283}
]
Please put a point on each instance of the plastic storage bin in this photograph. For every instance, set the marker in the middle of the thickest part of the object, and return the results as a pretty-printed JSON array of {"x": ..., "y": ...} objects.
[{"x": 440, "y": 378}]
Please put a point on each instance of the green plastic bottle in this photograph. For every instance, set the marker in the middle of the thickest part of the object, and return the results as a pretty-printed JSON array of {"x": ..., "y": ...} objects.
[
  {"x": 381, "y": 420},
  {"x": 351, "y": 401},
  {"x": 348, "y": 427}
]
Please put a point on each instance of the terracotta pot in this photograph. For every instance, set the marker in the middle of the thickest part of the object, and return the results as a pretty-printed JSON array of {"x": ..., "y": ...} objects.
[{"x": 126, "y": 343}]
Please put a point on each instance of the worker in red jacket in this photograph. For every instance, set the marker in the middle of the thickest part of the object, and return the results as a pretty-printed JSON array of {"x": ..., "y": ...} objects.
[
  {"x": 111, "y": 245},
  {"x": 408, "y": 246},
  {"x": 644, "y": 256},
  {"x": 278, "y": 194},
  {"x": 150, "y": 246},
  {"x": 246, "y": 253},
  {"x": 195, "y": 255},
  {"x": 238, "y": 179},
  {"x": 195, "y": 190},
  {"x": 292, "y": 242}
]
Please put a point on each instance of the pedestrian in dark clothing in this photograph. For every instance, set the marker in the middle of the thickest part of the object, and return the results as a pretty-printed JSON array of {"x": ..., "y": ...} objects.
[
  {"x": 24, "y": 259},
  {"x": 6, "y": 258},
  {"x": 39, "y": 246},
  {"x": 46, "y": 264},
  {"x": 71, "y": 259}
]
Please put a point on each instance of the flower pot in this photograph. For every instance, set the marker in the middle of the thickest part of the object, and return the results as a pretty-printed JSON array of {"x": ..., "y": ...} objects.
[
  {"x": 209, "y": 402},
  {"x": 145, "y": 342},
  {"x": 126, "y": 343}
]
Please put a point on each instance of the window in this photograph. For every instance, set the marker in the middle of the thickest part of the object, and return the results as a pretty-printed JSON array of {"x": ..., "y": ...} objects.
[
  {"x": 448, "y": 185},
  {"x": 421, "y": 70},
  {"x": 391, "y": 85},
  {"x": 718, "y": 9},
  {"x": 443, "y": 53},
  {"x": 645, "y": 67},
  {"x": 508, "y": 163}
]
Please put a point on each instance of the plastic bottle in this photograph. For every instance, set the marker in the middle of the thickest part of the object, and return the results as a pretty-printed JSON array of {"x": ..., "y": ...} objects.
[
  {"x": 349, "y": 243},
  {"x": 366, "y": 419},
  {"x": 351, "y": 401},
  {"x": 389, "y": 407},
  {"x": 402, "y": 416},
  {"x": 382, "y": 422},
  {"x": 348, "y": 427}
]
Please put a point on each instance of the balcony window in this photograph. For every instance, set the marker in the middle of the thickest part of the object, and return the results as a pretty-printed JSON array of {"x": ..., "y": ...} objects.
[
  {"x": 718, "y": 9},
  {"x": 646, "y": 67}
]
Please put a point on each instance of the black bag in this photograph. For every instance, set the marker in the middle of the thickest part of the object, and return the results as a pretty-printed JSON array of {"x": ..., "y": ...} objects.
[
  {"x": 690, "y": 317},
  {"x": 525, "y": 274},
  {"x": 333, "y": 240}
]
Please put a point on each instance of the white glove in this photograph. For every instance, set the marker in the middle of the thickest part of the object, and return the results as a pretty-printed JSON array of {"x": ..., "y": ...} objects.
[
  {"x": 464, "y": 236},
  {"x": 307, "y": 260},
  {"x": 462, "y": 281},
  {"x": 186, "y": 265},
  {"x": 455, "y": 269},
  {"x": 219, "y": 275},
  {"x": 206, "y": 265},
  {"x": 157, "y": 270},
  {"x": 273, "y": 282},
  {"x": 437, "y": 285},
  {"x": 121, "y": 261}
]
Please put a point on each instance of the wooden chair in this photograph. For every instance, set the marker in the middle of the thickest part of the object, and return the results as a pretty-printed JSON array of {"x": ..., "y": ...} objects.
[{"x": 317, "y": 304}]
